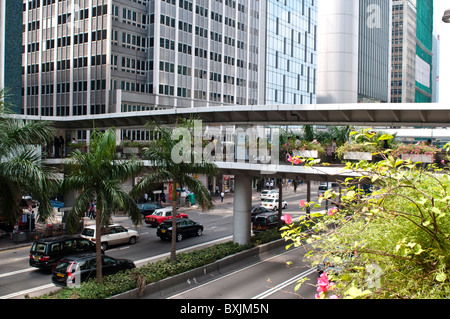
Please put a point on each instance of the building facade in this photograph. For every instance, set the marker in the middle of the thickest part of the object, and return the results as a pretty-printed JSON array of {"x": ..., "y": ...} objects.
[
  {"x": 374, "y": 51},
  {"x": 404, "y": 29},
  {"x": 10, "y": 52},
  {"x": 85, "y": 57},
  {"x": 291, "y": 50}
]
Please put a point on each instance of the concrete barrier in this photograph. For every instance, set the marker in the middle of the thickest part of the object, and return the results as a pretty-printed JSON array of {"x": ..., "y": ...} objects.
[{"x": 191, "y": 278}]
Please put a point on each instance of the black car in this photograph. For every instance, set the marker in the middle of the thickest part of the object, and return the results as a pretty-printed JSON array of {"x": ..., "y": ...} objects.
[
  {"x": 46, "y": 252},
  {"x": 265, "y": 221},
  {"x": 258, "y": 210},
  {"x": 185, "y": 228},
  {"x": 147, "y": 208},
  {"x": 79, "y": 268}
]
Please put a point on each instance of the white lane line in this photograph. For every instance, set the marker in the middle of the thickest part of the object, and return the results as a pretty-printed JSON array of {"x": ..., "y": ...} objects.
[
  {"x": 16, "y": 272},
  {"x": 232, "y": 273},
  {"x": 284, "y": 284},
  {"x": 24, "y": 292}
]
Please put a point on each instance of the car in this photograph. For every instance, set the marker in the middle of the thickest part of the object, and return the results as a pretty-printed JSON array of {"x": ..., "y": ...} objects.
[
  {"x": 46, "y": 252},
  {"x": 272, "y": 193},
  {"x": 325, "y": 186},
  {"x": 161, "y": 215},
  {"x": 79, "y": 268},
  {"x": 264, "y": 222},
  {"x": 185, "y": 228},
  {"x": 114, "y": 234},
  {"x": 147, "y": 208},
  {"x": 272, "y": 204},
  {"x": 258, "y": 210}
]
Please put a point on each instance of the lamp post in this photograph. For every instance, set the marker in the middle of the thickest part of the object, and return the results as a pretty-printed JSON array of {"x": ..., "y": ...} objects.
[{"x": 446, "y": 17}]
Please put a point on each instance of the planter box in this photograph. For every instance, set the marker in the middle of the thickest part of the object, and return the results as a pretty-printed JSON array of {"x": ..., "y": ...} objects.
[
  {"x": 358, "y": 156},
  {"x": 418, "y": 158},
  {"x": 307, "y": 153},
  {"x": 131, "y": 150}
]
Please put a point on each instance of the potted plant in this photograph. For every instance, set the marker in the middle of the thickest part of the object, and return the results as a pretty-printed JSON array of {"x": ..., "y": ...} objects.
[{"x": 419, "y": 152}]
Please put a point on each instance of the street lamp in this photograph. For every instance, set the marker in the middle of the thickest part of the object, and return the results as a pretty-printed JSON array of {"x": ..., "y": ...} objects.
[{"x": 446, "y": 17}]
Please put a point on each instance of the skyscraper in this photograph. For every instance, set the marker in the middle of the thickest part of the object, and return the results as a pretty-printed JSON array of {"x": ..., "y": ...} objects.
[
  {"x": 354, "y": 51},
  {"x": 85, "y": 57},
  {"x": 291, "y": 50},
  {"x": 404, "y": 29},
  {"x": 10, "y": 52}
]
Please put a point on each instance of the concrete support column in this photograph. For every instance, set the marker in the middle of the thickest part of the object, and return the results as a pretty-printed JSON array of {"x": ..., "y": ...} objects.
[{"x": 242, "y": 206}]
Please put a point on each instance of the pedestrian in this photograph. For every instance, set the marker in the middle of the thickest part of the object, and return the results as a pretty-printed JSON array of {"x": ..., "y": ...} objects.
[
  {"x": 56, "y": 144},
  {"x": 32, "y": 220},
  {"x": 163, "y": 199},
  {"x": 61, "y": 144},
  {"x": 221, "y": 197},
  {"x": 145, "y": 197}
]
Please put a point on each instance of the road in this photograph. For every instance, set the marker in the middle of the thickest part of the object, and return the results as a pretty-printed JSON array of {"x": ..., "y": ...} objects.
[
  {"x": 272, "y": 275},
  {"x": 18, "y": 279}
]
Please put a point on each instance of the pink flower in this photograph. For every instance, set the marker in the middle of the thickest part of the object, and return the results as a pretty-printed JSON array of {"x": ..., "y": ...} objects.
[
  {"x": 323, "y": 283},
  {"x": 302, "y": 203},
  {"x": 287, "y": 218},
  {"x": 332, "y": 211}
]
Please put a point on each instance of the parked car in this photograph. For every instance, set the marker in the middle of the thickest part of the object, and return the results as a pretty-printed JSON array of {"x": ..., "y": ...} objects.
[
  {"x": 148, "y": 208},
  {"x": 161, "y": 215},
  {"x": 46, "y": 252},
  {"x": 272, "y": 204},
  {"x": 185, "y": 228},
  {"x": 272, "y": 193},
  {"x": 81, "y": 267},
  {"x": 325, "y": 186},
  {"x": 112, "y": 235},
  {"x": 265, "y": 221},
  {"x": 258, "y": 210}
]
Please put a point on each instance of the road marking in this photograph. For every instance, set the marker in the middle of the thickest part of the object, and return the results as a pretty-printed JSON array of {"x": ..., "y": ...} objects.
[
  {"x": 16, "y": 272},
  {"x": 285, "y": 284},
  {"x": 24, "y": 292},
  {"x": 232, "y": 273}
]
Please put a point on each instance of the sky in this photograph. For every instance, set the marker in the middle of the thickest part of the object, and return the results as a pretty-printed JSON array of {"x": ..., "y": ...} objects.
[{"x": 443, "y": 29}]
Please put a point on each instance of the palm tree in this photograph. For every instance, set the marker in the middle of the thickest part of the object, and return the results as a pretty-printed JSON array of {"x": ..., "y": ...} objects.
[
  {"x": 22, "y": 170},
  {"x": 168, "y": 169},
  {"x": 98, "y": 175}
]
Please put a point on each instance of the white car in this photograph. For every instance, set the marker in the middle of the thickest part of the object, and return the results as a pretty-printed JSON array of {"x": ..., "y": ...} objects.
[
  {"x": 272, "y": 203},
  {"x": 266, "y": 194},
  {"x": 114, "y": 234}
]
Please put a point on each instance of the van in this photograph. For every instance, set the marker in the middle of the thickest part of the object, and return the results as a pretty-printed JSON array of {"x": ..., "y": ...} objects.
[
  {"x": 325, "y": 186},
  {"x": 46, "y": 252},
  {"x": 265, "y": 221}
]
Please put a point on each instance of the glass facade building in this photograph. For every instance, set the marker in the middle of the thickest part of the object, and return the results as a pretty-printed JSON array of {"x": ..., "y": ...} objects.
[{"x": 291, "y": 52}]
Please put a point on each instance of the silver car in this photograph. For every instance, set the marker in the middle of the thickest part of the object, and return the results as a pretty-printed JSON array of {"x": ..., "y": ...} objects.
[{"x": 112, "y": 235}]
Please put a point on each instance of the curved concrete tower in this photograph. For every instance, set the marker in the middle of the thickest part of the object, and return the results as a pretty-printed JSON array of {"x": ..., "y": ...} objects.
[{"x": 337, "y": 70}]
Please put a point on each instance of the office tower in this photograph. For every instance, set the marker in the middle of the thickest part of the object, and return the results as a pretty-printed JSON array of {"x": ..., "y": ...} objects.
[
  {"x": 412, "y": 51},
  {"x": 424, "y": 51},
  {"x": 10, "y": 52},
  {"x": 337, "y": 70},
  {"x": 374, "y": 51},
  {"x": 291, "y": 49},
  {"x": 404, "y": 29},
  {"x": 354, "y": 51}
]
